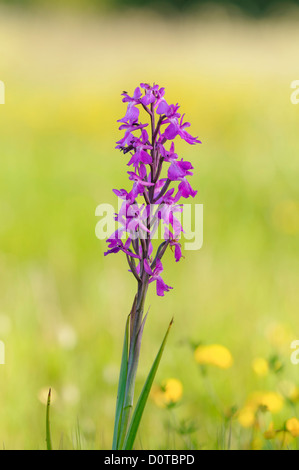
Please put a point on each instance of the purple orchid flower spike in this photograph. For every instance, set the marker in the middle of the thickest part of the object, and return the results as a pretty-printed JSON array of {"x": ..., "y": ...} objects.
[
  {"x": 148, "y": 156},
  {"x": 152, "y": 200}
]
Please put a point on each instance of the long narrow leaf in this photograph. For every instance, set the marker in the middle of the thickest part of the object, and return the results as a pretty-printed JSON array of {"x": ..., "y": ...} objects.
[
  {"x": 121, "y": 387},
  {"x": 48, "y": 431},
  {"x": 136, "y": 418}
]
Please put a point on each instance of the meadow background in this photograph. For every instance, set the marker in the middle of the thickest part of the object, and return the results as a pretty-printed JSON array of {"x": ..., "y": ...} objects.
[{"x": 62, "y": 304}]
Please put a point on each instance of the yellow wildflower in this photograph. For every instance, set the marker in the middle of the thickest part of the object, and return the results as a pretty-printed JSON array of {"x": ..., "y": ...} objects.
[
  {"x": 169, "y": 392},
  {"x": 213, "y": 354},
  {"x": 272, "y": 401},
  {"x": 294, "y": 394},
  {"x": 260, "y": 366},
  {"x": 246, "y": 417},
  {"x": 173, "y": 390},
  {"x": 292, "y": 425}
]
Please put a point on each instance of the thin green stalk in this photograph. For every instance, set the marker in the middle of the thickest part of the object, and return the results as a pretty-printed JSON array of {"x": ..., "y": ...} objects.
[
  {"x": 121, "y": 387},
  {"x": 137, "y": 326},
  {"x": 48, "y": 430},
  {"x": 138, "y": 412}
]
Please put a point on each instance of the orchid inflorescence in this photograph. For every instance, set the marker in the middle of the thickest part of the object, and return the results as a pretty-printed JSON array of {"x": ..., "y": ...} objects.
[
  {"x": 138, "y": 225},
  {"x": 148, "y": 153}
]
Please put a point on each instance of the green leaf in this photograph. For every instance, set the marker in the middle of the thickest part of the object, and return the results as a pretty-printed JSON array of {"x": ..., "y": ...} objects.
[
  {"x": 48, "y": 431},
  {"x": 121, "y": 387},
  {"x": 136, "y": 418}
]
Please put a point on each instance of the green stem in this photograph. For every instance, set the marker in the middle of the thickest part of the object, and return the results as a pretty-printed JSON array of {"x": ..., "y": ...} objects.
[
  {"x": 48, "y": 431},
  {"x": 136, "y": 330}
]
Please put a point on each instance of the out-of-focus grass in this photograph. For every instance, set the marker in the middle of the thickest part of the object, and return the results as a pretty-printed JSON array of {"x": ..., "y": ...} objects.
[{"x": 62, "y": 304}]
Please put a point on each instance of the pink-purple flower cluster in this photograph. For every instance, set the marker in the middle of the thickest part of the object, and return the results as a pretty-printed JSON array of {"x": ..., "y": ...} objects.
[{"x": 152, "y": 152}]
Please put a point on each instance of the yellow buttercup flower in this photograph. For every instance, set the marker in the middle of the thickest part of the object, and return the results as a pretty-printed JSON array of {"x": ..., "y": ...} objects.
[
  {"x": 260, "y": 367},
  {"x": 168, "y": 393},
  {"x": 173, "y": 390},
  {"x": 292, "y": 425},
  {"x": 272, "y": 401},
  {"x": 294, "y": 394},
  {"x": 246, "y": 417},
  {"x": 157, "y": 396},
  {"x": 213, "y": 354},
  {"x": 281, "y": 435},
  {"x": 285, "y": 435}
]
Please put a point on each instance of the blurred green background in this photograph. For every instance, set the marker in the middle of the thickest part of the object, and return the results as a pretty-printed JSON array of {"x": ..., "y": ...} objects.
[
  {"x": 254, "y": 8},
  {"x": 62, "y": 304}
]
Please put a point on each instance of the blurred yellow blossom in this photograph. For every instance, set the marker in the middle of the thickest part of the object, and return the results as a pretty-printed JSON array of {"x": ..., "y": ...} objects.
[
  {"x": 292, "y": 425},
  {"x": 246, "y": 417},
  {"x": 282, "y": 435},
  {"x": 213, "y": 354},
  {"x": 169, "y": 392},
  {"x": 294, "y": 394},
  {"x": 260, "y": 366},
  {"x": 285, "y": 435},
  {"x": 270, "y": 401}
]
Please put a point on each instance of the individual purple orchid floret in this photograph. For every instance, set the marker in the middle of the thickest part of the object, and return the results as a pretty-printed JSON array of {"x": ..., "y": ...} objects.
[
  {"x": 132, "y": 113},
  {"x": 178, "y": 171},
  {"x": 173, "y": 243},
  {"x": 140, "y": 146},
  {"x": 151, "y": 152},
  {"x": 154, "y": 275},
  {"x": 116, "y": 245}
]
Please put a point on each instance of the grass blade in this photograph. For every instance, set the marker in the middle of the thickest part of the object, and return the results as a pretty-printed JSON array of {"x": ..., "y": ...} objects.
[
  {"x": 48, "y": 430},
  {"x": 121, "y": 387},
  {"x": 137, "y": 415}
]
